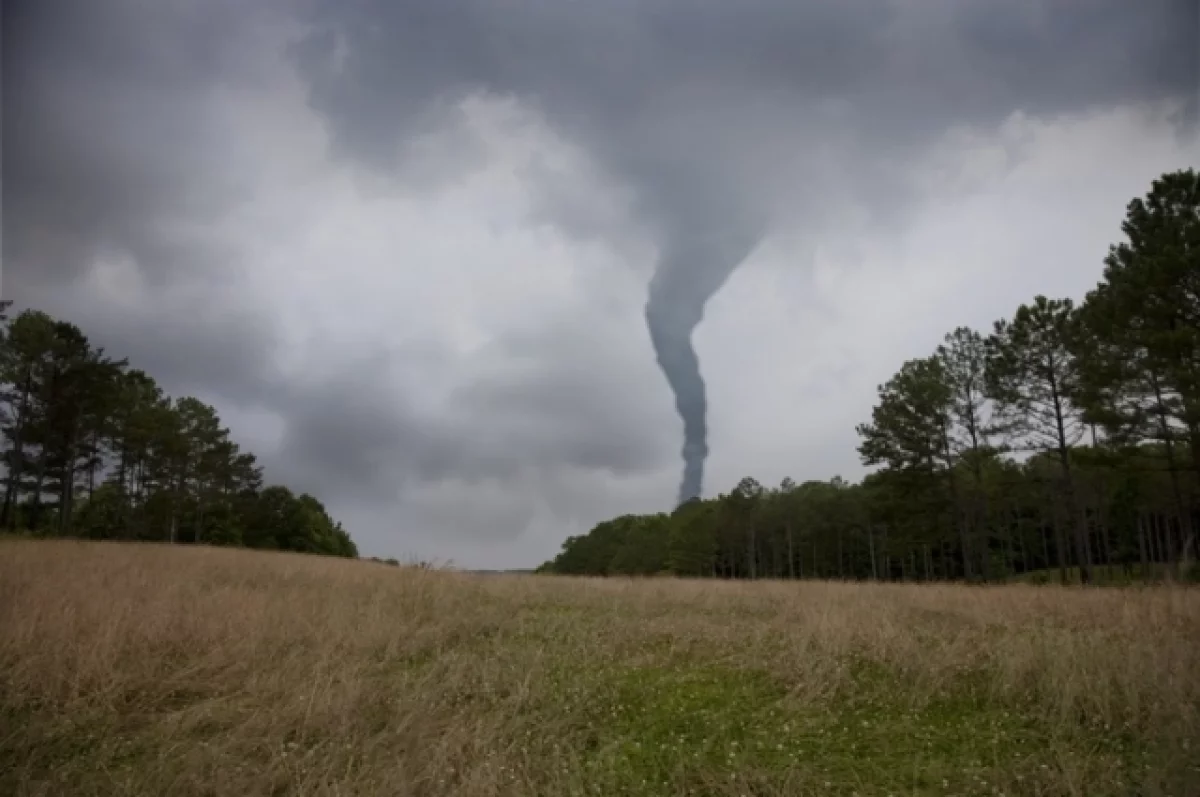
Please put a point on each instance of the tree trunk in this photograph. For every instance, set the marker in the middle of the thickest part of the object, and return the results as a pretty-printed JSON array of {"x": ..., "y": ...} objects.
[
  {"x": 983, "y": 541},
  {"x": 1021, "y": 546},
  {"x": 1083, "y": 549},
  {"x": 956, "y": 519},
  {"x": 12, "y": 492},
  {"x": 1141, "y": 530},
  {"x": 1175, "y": 542},
  {"x": 1194, "y": 446},
  {"x": 66, "y": 491},
  {"x": 1008, "y": 551},
  {"x": 1164, "y": 546},
  {"x": 1105, "y": 545},
  {"x": 1168, "y": 438},
  {"x": 122, "y": 469},
  {"x": 753, "y": 553},
  {"x": 35, "y": 513},
  {"x": 791, "y": 554},
  {"x": 178, "y": 488},
  {"x": 199, "y": 516},
  {"x": 1045, "y": 535},
  {"x": 93, "y": 461},
  {"x": 1155, "y": 553},
  {"x": 871, "y": 544},
  {"x": 841, "y": 570},
  {"x": 1060, "y": 548}
]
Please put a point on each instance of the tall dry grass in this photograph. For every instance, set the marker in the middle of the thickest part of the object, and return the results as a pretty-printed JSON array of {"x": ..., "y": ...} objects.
[{"x": 151, "y": 670}]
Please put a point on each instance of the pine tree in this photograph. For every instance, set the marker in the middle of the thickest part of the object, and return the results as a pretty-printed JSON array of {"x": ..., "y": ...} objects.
[
  {"x": 24, "y": 366},
  {"x": 1144, "y": 321},
  {"x": 1033, "y": 379},
  {"x": 963, "y": 355},
  {"x": 911, "y": 432}
]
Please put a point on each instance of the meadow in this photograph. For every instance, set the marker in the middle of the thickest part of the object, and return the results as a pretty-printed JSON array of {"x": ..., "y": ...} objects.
[{"x": 139, "y": 669}]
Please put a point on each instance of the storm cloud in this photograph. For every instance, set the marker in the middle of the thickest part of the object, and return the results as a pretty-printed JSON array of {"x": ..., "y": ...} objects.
[
  {"x": 747, "y": 115},
  {"x": 406, "y": 247},
  {"x": 714, "y": 112}
]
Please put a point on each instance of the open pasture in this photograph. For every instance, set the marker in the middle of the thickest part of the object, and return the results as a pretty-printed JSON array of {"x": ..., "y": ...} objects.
[{"x": 152, "y": 670}]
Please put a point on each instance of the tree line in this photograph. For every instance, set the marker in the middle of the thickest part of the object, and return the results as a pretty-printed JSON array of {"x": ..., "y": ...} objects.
[
  {"x": 1063, "y": 443},
  {"x": 93, "y": 448}
]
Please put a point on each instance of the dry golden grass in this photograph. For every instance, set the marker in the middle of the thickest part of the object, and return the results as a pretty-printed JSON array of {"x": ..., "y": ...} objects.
[{"x": 149, "y": 670}]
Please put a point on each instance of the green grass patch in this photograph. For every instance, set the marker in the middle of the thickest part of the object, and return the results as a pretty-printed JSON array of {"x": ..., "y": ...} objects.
[{"x": 663, "y": 730}]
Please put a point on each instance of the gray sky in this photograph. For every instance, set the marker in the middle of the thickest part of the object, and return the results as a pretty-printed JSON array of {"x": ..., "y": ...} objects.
[{"x": 404, "y": 247}]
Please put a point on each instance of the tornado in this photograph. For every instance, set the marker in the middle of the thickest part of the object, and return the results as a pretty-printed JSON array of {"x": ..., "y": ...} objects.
[{"x": 688, "y": 275}]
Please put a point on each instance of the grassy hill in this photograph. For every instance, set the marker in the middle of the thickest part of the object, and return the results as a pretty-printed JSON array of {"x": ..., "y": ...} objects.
[{"x": 150, "y": 670}]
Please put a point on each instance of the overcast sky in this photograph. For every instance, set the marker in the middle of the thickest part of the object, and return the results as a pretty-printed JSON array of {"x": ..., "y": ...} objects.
[{"x": 404, "y": 247}]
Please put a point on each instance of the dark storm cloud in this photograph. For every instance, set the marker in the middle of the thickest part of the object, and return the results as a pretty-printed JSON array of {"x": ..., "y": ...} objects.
[
  {"x": 107, "y": 131},
  {"x": 718, "y": 116},
  {"x": 723, "y": 117},
  {"x": 111, "y": 152},
  {"x": 680, "y": 96}
]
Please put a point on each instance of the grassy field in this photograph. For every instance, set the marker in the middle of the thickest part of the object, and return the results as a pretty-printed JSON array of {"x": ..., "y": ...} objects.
[{"x": 147, "y": 670}]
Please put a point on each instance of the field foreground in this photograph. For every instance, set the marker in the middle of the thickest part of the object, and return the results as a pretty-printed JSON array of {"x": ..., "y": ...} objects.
[{"x": 149, "y": 670}]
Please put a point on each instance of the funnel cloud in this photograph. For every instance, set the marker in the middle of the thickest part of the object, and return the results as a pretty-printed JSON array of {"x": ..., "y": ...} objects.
[{"x": 688, "y": 275}]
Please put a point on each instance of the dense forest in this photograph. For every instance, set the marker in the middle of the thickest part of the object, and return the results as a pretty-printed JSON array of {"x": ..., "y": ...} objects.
[
  {"x": 1064, "y": 443},
  {"x": 95, "y": 449}
]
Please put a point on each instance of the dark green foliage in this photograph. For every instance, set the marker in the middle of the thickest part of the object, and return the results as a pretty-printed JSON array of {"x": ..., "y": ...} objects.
[
  {"x": 909, "y": 426},
  {"x": 596, "y": 552},
  {"x": 691, "y": 534},
  {"x": 103, "y": 515},
  {"x": 1068, "y": 440},
  {"x": 94, "y": 449},
  {"x": 645, "y": 548}
]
